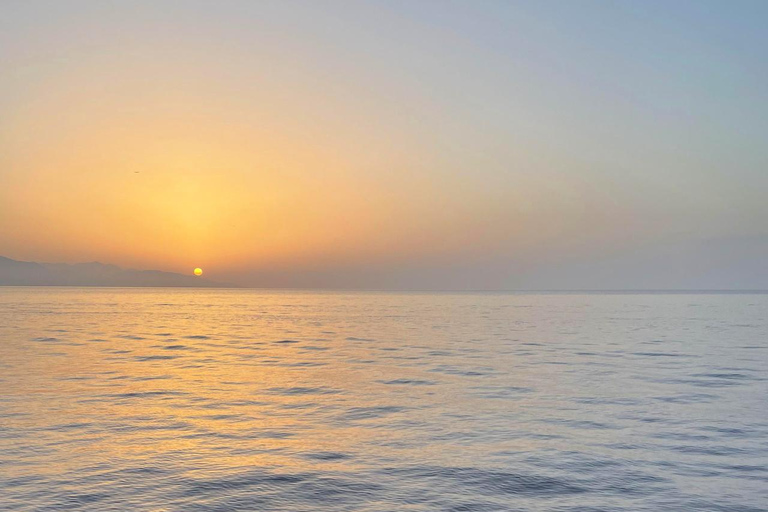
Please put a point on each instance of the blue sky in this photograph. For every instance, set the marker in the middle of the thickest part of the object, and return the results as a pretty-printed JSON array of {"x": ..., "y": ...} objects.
[{"x": 584, "y": 144}]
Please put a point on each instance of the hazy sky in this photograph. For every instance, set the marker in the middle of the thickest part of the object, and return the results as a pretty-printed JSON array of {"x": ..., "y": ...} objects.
[{"x": 413, "y": 144}]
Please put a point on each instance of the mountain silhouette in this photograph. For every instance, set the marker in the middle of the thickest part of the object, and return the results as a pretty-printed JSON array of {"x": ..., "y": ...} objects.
[{"x": 28, "y": 273}]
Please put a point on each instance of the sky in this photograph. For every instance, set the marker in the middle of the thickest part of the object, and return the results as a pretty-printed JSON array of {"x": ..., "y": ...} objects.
[{"x": 447, "y": 145}]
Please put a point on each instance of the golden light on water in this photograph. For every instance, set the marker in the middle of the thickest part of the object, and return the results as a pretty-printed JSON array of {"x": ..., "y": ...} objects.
[{"x": 198, "y": 271}]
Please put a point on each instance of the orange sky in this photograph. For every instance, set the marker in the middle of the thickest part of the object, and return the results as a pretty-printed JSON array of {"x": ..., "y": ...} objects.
[{"x": 248, "y": 139}]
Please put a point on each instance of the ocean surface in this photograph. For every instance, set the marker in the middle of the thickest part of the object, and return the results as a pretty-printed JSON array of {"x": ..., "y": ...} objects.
[{"x": 229, "y": 400}]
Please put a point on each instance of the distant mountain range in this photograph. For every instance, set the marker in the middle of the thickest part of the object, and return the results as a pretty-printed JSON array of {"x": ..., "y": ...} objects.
[{"x": 27, "y": 273}]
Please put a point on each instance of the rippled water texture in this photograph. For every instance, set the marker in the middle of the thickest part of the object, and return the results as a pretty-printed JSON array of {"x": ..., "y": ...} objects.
[{"x": 192, "y": 400}]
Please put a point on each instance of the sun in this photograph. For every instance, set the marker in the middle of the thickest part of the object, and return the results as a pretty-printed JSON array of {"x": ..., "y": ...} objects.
[{"x": 198, "y": 271}]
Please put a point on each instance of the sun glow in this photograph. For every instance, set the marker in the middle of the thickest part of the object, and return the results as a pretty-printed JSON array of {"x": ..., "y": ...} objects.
[{"x": 198, "y": 271}]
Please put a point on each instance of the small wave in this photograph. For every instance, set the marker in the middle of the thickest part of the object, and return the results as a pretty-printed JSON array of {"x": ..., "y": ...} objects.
[
  {"x": 408, "y": 382},
  {"x": 686, "y": 398},
  {"x": 304, "y": 391},
  {"x": 660, "y": 354},
  {"x": 326, "y": 456},
  {"x": 365, "y": 413}
]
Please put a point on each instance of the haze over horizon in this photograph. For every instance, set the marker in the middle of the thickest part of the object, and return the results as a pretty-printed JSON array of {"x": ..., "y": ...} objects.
[{"x": 395, "y": 145}]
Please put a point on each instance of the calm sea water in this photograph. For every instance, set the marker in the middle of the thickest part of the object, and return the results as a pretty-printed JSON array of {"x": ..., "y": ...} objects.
[{"x": 226, "y": 400}]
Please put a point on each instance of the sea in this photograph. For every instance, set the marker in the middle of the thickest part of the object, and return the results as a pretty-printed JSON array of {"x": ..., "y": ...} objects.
[{"x": 227, "y": 400}]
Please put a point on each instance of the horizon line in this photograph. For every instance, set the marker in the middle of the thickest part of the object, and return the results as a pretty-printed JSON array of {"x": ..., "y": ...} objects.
[{"x": 618, "y": 291}]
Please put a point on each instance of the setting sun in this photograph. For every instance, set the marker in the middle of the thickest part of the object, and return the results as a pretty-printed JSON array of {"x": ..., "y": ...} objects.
[{"x": 198, "y": 271}]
